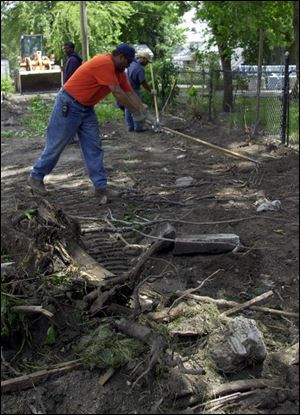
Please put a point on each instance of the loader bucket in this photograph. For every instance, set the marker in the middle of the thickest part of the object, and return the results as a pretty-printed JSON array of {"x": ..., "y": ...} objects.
[{"x": 49, "y": 80}]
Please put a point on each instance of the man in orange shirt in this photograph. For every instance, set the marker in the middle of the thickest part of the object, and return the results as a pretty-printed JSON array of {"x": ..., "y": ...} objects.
[{"x": 73, "y": 112}]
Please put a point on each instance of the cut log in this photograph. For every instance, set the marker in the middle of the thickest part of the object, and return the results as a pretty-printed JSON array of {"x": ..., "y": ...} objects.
[
  {"x": 91, "y": 270},
  {"x": 206, "y": 244}
]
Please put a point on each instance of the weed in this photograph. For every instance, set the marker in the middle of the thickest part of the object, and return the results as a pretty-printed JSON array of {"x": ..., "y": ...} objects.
[
  {"x": 104, "y": 348},
  {"x": 7, "y": 85},
  {"x": 11, "y": 322},
  {"x": 107, "y": 111},
  {"x": 29, "y": 213},
  {"x": 37, "y": 121},
  {"x": 7, "y": 134},
  {"x": 51, "y": 336}
]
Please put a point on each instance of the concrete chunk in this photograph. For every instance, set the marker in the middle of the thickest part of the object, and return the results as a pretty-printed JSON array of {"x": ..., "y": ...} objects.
[
  {"x": 237, "y": 345},
  {"x": 206, "y": 244}
]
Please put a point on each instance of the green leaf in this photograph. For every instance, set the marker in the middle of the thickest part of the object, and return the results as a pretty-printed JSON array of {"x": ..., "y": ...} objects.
[
  {"x": 51, "y": 336},
  {"x": 29, "y": 213}
]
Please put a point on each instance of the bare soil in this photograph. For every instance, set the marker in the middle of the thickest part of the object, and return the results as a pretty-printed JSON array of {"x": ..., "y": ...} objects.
[{"x": 221, "y": 199}]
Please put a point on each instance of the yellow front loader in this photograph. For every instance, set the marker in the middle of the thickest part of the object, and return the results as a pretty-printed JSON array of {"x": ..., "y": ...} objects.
[{"x": 36, "y": 72}]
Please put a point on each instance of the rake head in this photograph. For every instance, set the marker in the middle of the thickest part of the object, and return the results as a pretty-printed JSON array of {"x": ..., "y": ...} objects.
[{"x": 256, "y": 175}]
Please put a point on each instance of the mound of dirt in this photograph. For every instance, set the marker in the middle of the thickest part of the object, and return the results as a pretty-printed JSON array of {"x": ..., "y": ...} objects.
[{"x": 118, "y": 240}]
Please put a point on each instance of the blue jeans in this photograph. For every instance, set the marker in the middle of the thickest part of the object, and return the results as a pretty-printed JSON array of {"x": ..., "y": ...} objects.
[
  {"x": 137, "y": 126},
  {"x": 61, "y": 129}
]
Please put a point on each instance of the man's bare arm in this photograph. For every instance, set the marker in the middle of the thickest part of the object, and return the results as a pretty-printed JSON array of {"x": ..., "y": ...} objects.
[{"x": 146, "y": 86}]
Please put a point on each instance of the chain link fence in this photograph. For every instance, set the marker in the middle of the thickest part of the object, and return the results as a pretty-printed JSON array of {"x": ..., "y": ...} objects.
[
  {"x": 253, "y": 109},
  {"x": 293, "y": 107}
]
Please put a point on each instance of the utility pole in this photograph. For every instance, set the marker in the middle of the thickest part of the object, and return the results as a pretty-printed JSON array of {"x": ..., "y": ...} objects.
[
  {"x": 84, "y": 31},
  {"x": 285, "y": 102}
]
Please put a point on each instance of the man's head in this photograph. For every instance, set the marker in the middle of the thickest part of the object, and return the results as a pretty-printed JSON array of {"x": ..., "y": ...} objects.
[
  {"x": 68, "y": 48},
  {"x": 144, "y": 58},
  {"x": 123, "y": 55}
]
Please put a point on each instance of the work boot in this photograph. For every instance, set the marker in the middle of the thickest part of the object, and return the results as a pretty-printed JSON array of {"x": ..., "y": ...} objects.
[
  {"x": 106, "y": 194},
  {"x": 37, "y": 186}
]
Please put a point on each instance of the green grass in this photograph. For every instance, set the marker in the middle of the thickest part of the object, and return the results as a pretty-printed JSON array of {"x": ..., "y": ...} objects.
[
  {"x": 7, "y": 85},
  {"x": 107, "y": 110},
  {"x": 7, "y": 134},
  {"x": 37, "y": 121},
  {"x": 244, "y": 113},
  {"x": 11, "y": 322},
  {"x": 294, "y": 122},
  {"x": 104, "y": 348},
  {"x": 40, "y": 110}
]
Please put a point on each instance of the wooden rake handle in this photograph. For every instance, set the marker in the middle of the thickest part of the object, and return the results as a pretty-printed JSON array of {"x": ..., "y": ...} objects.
[
  {"x": 154, "y": 96},
  {"x": 223, "y": 150}
]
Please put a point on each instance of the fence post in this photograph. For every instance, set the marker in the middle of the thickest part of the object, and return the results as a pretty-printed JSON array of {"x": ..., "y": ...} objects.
[
  {"x": 285, "y": 99},
  {"x": 210, "y": 95}
]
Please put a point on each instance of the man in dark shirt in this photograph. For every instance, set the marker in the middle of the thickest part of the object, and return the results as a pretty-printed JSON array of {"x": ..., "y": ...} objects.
[
  {"x": 136, "y": 77},
  {"x": 73, "y": 61}
]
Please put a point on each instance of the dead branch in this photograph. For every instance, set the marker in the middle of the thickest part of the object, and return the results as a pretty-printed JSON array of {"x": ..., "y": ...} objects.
[
  {"x": 102, "y": 298},
  {"x": 228, "y": 389},
  {"x": 191, "y": 290},
  {"x": 106, "y": 376},
  {"x": 224, "y": 400},
  {"x": 167, "y": 231},
  {"x": 146, "y": 335},
  {"x": 239, "y": 386},
  {"x": 5, "y": 363},
  {"x": 167, "y": 315},
  {"x": 226, "y": 303},
  {"x": 247, "y": 304},
  {"x": 29, "y": 381},
  {"x": 135, "y": 296},
  {"x": 32, "y": 309},
  {"x": 153, "y": 222}
]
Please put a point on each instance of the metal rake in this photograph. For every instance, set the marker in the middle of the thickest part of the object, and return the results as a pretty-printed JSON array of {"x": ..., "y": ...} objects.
[{"x": 256, "y": 175}]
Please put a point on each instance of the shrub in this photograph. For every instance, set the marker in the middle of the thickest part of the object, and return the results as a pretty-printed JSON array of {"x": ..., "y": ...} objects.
[{"x": 7, "y": 85}]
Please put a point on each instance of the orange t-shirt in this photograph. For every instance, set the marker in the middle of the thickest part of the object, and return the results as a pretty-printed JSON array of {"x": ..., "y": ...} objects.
[{"x": 89, "y": 83}]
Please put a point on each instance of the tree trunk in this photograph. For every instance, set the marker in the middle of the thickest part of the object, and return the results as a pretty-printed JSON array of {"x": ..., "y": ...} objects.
[
  {"x": 227, "y": 76},
  {"x": 84, "y": 31},
  {"x": 296, "y": 32},
  {"x": 295, "y": 92}
]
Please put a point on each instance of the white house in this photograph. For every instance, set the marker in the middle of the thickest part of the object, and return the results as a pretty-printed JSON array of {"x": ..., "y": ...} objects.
[{"x": 197, "y": 38}]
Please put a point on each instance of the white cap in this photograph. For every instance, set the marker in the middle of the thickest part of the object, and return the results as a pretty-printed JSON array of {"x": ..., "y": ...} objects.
[{"x": 144, "y": 55}]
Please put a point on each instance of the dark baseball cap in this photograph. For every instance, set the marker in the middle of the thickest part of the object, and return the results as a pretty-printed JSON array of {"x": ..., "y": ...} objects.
[{"x": 126, "y": 50}]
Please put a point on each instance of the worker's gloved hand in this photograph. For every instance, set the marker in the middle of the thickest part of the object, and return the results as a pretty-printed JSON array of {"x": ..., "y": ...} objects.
[
  {"x": 153, "y": 92},
  {"x": 150, "y": 117},
  {"x": 138, "y": 117},
  {"x": 157, "y": 125}
]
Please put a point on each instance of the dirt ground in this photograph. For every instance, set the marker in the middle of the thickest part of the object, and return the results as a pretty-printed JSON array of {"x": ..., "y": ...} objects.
[{"x": 220, "y": 199}]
